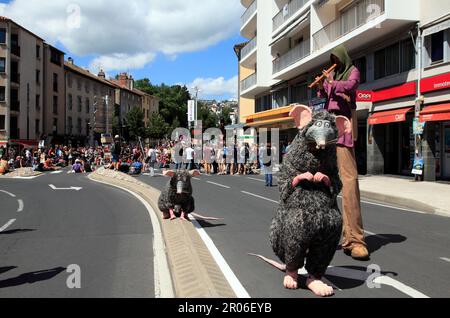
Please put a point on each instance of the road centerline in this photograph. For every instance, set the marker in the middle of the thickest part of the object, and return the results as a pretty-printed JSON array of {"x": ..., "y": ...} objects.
[
  {"x": 4, "y": 227},
  {"x": 218, "y": 184},
  {"x": 8, "y": 193},
  {"x": 260, "y": 197}
]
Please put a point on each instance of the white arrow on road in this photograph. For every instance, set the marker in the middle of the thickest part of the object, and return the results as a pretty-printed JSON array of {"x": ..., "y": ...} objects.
[{"x": 71, "y": 188}]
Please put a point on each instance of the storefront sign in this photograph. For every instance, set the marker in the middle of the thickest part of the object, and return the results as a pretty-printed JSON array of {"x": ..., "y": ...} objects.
[
  {"x": 418, "y": 166},
  {"x": 364, "y": 96},
  {"x": 399, "y": 91},
  {"x": 435, "y": 83}
]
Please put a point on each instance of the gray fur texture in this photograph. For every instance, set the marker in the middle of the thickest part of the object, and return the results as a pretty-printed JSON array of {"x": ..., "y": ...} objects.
[
  {"x": 308, "y": 223},
  {"x": 169, "y": 199}
]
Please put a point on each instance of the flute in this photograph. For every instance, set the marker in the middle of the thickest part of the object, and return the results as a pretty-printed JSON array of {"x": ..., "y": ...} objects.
[{"x": 320, "y": 79}]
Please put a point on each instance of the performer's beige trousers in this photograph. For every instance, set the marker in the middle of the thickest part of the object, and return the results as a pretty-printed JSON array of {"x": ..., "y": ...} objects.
[{"x": 353, "y": 232}]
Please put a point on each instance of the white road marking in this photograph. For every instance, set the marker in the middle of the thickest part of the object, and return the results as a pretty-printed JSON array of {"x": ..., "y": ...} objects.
[
  {"x": 364, "y": 276},
  {"x": 445, "y": 259},
  {"x": 71, "y": 188},
  {"x": 234, "y": 282},
  {"x": 374, "y": 234},
  {"x": 260, "y": 197},
  {"x": 256, "y": 179},
  {"x": 390, "y": 206},
  {"x": 198, "y": 179},
  {"x": 4, "y": 227},
  {"x": 21, "y": 205},
  {"x": 8, "y": 193},
  {"x": 219, "y": 185},
  {"x": 27, "y": 178},
  {"x": 163, "y": 279},
  {"x": 56, "y": 172}
]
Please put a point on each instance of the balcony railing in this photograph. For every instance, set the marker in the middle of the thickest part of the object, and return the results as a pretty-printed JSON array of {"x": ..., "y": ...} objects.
[
  {"x": 248, "y": 48},
  {"x": 248, "y": 13},
  {"x": 296, "y": 54},
  {"x": 248, "y": 82},
  {"x": 351, "y": 19},
  {"x": 15, "y": 50},
  {"x": 15, "y": 78},
  {"x": 15, "y": 106},
  {"x": 286, "y": 12}
]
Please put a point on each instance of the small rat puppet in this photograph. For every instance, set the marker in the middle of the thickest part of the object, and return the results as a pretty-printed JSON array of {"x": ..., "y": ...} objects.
[
  {"x": 308, "y": 224},
  {"x": 176, "y": 199}
]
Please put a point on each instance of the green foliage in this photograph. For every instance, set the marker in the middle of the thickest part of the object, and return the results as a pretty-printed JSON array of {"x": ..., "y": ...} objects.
[
  {"x": 157, "y": 127},
  {"x": 135, "y": 123}
]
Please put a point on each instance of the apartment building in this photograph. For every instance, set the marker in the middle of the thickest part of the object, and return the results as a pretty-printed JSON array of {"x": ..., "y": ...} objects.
[
  {"x": 150, "y": 105},
  {"x": 21, "y": 77},
  {"x": 90, "y": 101},
  {"x": 290, "y": 43},
  {"x": 52, "y": 103},
  {"x": 127, "y": 97}
]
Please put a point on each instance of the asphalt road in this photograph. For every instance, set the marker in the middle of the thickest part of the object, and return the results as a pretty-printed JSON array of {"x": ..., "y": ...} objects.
[
  {"x": 106, "y": 233},
  {"x": 410, "y": 249}
]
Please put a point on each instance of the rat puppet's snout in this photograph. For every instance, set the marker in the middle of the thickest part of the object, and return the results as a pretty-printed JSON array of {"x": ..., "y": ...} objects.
[{"x": 321, "y": 134}]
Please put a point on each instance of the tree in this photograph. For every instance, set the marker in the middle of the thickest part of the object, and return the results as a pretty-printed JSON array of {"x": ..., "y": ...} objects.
[
  {"x": 224, "y": 117},
  {"x": 207, "y": 116},
  {"x": 135, "y": 123},
  {"x": 157, "y": 127}
]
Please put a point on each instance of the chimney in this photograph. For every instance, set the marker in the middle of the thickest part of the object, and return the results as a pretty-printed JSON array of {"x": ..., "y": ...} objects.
[
  {"x": 102, "y": 74},
  {"x": 131, "y": 82},
  {"x": 70, "y": 60},
  {"x": 123, "y": 79}
]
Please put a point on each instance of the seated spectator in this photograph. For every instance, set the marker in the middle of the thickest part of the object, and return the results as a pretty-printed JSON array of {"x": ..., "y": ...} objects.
[
  {"x": 77, "y": 167},
  {"x": 87, "y": 167},
  {"x": 4, "y": 167},
  {"x": 124, "y": 167},
  {"x": 136, "y": 168}
]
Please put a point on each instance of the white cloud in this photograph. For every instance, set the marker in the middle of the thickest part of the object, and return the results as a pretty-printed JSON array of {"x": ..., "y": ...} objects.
[
  {"x": 121, "y": 61},
  {"x": 131, "y": 31},
  {"x": 215, "y": 87}
]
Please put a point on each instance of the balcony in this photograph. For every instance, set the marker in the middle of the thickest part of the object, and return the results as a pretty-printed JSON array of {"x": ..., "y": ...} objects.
[
  {"x": 249, "y": 13},
  {"x": 287, "y": 12},
  {"x": 248, "y": 82},
  {"x": 349, "y": 21},
  {"x": 292, "y": 56},
  {"x": 15, "y": 50},
  {"x": 15, "y": 78},
  {"x": 248, "y": 21},
  {"x": 15, "y": 106},
  {"x": 248, "y": 51}
]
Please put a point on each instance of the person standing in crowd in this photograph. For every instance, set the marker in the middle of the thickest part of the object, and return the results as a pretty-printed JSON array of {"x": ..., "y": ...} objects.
[
  {"x": 152, "y": 160},
  {"x": 116, "y": 151},
  {"x": 340, "y": 91},
  {"x": 266, "y": 155},
  {"x": 190, "y": 154}
]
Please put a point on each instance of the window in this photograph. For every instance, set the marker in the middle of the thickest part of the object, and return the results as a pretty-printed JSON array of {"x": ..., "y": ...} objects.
[
  {"x": 37, "y": 127},
  {"x": 79, "y": 84},
  {"x": 80, "y": 104},
  {"x": 87, "y": 87},
  {"x": 87, "y": 106},
  {"x": 70, "y": 127},
  {"x": 2, "y": 36},
  {"x": 55, "y": 105},
  {"x": 38, "y": 102},
  {"x": 2, "y": 65},
  {"x": 38, "y": 51},
  {"x": 387, "y": 61},
  {"x": 263, "y": 103},
  {"x": 55, "y": 57},
  {"x": 69, "y": 80},
  {"x": 2, "y": 122},
  {"x": 79, "y": 126},
  {"x": 38, "y": 76},
  {"x": 95, "y": 89},
  {"x": 2, "y": 94},
  {"x": 299, "y": 93},
  {"x": 55, "y": 125},
  {"x": 70, "y": 101},
  {"x": 55, "y": 82},
  {"x": 437, "y": 47},
  {"x": 407, "y": 56},
  {"x": 361, "y": 65},
  {"x": 88, "y": 128},
  {"x": 280, "y": 98}
]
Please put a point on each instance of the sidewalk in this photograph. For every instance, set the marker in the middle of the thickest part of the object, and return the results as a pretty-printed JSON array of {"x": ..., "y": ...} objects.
[{"x": 428, "y": 197}]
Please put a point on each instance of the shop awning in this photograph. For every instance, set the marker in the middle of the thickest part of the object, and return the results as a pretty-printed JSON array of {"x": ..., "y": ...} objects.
[
  {"x": 389, "y": 116},
  {"x": 435, "y": 113},
  {"x": 265, "y": 123},
  {"x": 25, "y": 143}
]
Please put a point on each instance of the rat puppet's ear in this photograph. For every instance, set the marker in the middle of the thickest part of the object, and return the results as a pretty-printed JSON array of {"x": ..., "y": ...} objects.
[
  {"x": 302, "y": 115},
  {"x": 195, "y": 173},
  {"x": 169, "y": 173},
  {"x": 344, "y": 125}
]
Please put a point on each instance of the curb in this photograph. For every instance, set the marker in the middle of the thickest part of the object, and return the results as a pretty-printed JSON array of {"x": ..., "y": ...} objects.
[
  {"x": 194, "y": 272},
  {"x": 403, "y": 203}
]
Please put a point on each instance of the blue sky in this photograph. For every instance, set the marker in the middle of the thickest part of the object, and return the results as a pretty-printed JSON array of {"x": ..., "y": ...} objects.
[{"x": 167, "y": 41}]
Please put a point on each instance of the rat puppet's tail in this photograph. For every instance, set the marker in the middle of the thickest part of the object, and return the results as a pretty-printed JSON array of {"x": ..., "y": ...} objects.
[{"x": 275, "y": 264}]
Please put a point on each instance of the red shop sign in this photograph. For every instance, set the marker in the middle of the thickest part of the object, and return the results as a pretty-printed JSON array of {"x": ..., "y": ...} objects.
[
  {"x": 364, "y": 96},
  {"x": 435, "y": 83}
]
